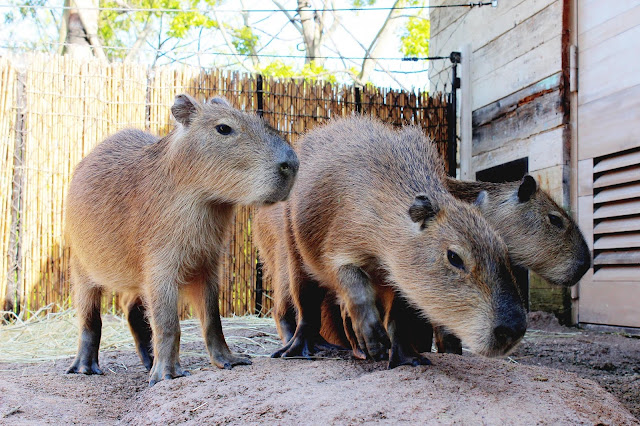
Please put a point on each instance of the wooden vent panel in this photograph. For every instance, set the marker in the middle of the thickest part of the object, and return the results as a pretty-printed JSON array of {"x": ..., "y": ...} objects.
[{"x": 616, "y": 216}]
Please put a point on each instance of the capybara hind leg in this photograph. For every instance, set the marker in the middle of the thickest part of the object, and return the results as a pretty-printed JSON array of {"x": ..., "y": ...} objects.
[
  {"x": 400, "y": 321},
  {"x": 204, "y": 298},
  {"x": 284, "y": 314},
  {"x": 306, "y": 340},
  {"x": 162, "y": 302},
  {"x": 360, "y": 299},
  {"x": 140, "y": 330},
  {"x": 446, "y": 342},
  {"x": 87, "y": 301}
]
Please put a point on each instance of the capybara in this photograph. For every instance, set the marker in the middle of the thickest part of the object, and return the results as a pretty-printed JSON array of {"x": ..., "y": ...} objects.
[
  {"x": 539, "y": 234},
  {"x": 370, "y": 207},
  {"x": 150, "y": 218}
]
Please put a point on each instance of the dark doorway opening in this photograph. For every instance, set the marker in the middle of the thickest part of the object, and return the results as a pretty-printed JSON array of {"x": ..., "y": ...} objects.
[{"x": 510, "y": 172}]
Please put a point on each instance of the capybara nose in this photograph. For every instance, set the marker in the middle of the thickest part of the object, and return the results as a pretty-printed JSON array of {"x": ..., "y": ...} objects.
[
  {"x": 582, "y": 267},
  {"x": 508, "y": 335},
  {"x": 289, "y": 167}
]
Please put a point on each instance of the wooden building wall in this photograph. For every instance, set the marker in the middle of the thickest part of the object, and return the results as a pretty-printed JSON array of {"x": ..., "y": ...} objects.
[
  {"x": 518, "y": 97},
  {"x": 608, "y": 145}
]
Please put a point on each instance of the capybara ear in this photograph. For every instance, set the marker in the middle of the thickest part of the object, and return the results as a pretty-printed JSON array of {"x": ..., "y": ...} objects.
[
  {"x": 481, "y": 201},
  {"x": 527, "y": 188},
  {"x": 184, "y": 108},
  {"x": 220, "y": 101},
  {"x": 422, "y": 208}
]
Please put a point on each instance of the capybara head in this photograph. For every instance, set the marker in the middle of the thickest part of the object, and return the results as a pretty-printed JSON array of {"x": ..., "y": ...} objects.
[
  {"x": 539, "y": 233},
  {"x": 229, "y": 155},
  {"x": 471, "y": 290}
]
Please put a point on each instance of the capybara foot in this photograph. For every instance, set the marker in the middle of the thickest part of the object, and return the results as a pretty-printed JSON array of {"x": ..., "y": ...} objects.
[
  {"x": 229, "y": 360},
  {"x": 303, "y": 346},
  {"x": 375, "y": 341},
  {"x": 159, "y": 373},
  {"x": 85, "y": 366},
  {"x": 413, "y": 358}
]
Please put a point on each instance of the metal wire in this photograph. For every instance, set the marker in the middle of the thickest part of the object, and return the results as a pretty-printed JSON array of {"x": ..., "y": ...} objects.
[{"x": 345, "y": 9}]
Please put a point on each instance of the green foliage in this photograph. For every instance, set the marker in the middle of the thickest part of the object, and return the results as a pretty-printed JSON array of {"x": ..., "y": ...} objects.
[
  {"x": 244, "y": 40},
  {"x": 362, "y": 3},
  {"x": 116, "y": 27},
  {"x": 310, "y": 71},
  {"x": 415, "y": 39},
  {"x": 277, "y": 68}
]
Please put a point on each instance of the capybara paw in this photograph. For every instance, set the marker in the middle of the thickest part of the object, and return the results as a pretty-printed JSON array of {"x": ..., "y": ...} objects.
[
  {"x": 396, "y": 360},
  {"x": 80, "y": 367},
  {"x": 298, "y": 347},
  {"x": 229, "y": 360},
  {"x": 376, "y": 341},
  {"x": 165, "y": 373}
]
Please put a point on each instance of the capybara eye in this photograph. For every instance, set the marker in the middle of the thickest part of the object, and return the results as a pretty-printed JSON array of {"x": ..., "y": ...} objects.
[
  {"x": 454, "y": 259},
  {"x": 556, "y": 221},
  {"x": 223, "y": 129}
]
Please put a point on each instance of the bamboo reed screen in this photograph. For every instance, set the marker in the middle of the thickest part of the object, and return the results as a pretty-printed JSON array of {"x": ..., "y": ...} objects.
[{"x": 54, "y": 110}]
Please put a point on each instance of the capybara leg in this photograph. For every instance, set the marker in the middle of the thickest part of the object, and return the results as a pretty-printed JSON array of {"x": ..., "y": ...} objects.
[
  {"x": 162, "y": 302},
  {"x": 422, "y": 333},
  {"x": 446, "y": 342},
  {"x": 141, "y": 331},
  {"x": 204, "y": 297},
  {"x": 87, "y": 301},
  {"x": 358, "y": 353},
  {"x": 284, "y": 314},
  {"x": 401, "y": 332},
  {"x": 360, "y": 299},
  {"x": 306, "y": 340}
]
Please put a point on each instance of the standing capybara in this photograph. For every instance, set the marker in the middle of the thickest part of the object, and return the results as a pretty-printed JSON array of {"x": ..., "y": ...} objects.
[
  {"x": 150, "y": 217},
  {"x": 370, "y": 206}
]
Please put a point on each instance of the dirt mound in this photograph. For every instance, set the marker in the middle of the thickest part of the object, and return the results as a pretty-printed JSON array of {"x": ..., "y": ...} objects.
[
  {"x": 545, "y": 321},
  {"x": 467, "y": 389},
  {"x": 461, "y": 389}
]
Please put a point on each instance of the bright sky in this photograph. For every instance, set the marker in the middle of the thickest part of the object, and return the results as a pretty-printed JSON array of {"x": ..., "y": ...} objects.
[{"x": 358, "y": 29}]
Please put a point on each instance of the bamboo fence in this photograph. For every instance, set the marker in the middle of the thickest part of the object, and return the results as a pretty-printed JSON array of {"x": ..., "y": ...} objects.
[{"x": 54, "y": 110}]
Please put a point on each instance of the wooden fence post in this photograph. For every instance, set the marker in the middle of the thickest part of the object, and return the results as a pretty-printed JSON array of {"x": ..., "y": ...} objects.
[{"x": 13, "y": 298}]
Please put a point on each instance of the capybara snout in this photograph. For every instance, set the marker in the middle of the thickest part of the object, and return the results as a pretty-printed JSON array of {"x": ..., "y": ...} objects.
[
  {"x": 287, "y": 168},
  {"x": 510, "y": 319},
  {"x": 257, "y": 165}
]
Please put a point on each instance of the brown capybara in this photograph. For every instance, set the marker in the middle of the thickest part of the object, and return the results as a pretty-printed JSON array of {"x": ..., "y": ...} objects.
[
  {"x": 370, "y": 207},
  {"x": 539, "y": 234},
  {"x": 150, "y": 218}
]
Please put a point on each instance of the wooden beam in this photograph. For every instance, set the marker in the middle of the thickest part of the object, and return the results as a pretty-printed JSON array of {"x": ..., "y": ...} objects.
[
  {"x": 534, "y": 114},
  {"x": 466, "y": 128}
]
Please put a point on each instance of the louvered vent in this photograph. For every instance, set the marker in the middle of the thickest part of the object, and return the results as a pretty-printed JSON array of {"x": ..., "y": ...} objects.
[{"x": 616, "y": 216}]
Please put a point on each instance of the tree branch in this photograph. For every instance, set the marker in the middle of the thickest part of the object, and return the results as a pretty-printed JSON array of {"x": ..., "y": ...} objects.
[
  {"x": 288, "y": 15},
  {"x": 227, "y": 41},
  {"x": 387, "y": 29}
]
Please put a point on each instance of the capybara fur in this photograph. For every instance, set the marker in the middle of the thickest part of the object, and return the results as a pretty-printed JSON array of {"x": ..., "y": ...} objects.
[
  {"x": 150, "y": 218},
  {"x": 539, "y": 234},
  {"x": 370, "y": 207}
]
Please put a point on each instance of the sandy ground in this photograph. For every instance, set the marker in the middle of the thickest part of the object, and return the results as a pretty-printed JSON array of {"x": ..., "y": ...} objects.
[{"x": 556, "y": 376}]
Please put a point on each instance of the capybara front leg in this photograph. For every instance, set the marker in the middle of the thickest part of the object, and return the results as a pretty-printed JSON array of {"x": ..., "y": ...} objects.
[
  {"x": 360, "y": 299},
  {"x": 87, "y": 301},
  {"x": 162, "y": 301},
  {"x": 204, "y": 298},
  {"x": 446, "y": 342},
  {"x": 358, "y": 353},
  {"x": 140, "y": 330}
]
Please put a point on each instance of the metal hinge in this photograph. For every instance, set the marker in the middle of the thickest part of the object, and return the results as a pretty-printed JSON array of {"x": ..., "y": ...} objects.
[{"x": 573, "y": 68}]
